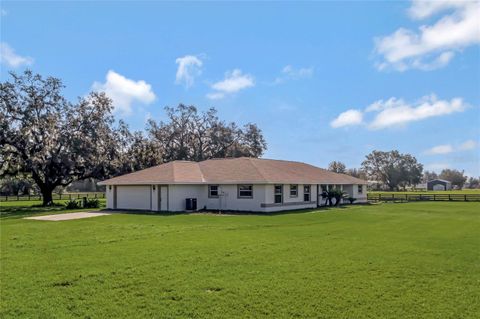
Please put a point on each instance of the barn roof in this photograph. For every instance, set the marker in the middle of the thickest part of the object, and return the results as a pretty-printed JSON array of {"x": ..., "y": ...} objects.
[{"x": 233, "y": 171}]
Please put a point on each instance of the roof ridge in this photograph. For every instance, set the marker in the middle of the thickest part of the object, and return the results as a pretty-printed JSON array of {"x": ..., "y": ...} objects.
[{"x": 256, "y": 168}]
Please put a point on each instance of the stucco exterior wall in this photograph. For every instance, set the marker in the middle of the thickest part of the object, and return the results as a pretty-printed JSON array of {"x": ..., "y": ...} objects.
[{"x": 172, "y": 197}]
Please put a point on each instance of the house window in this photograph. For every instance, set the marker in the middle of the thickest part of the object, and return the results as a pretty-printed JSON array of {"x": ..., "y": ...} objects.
[
  {"x": 324, "y": 188},
  {"x": 293, "y": 190},
  {"x": 330, "y": 187},
  {"x": 278, "y": 194},
  {"x": 360, "y": 189},
  {"x": 212, "y": 191},
  {"x": 245, "y": 191},
  {"x": 306, "y": 193}
]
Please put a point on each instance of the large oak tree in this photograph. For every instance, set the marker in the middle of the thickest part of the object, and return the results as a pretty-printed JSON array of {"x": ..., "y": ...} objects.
[
  {"x": 49, "y": 138},
  {"x": 393, "y": 169}
]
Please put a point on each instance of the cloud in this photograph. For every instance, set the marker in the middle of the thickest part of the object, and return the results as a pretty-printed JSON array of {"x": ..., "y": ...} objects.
[
  {"x": 395, "y": 112},
  {"x": 348, "y": 118},
  {"x": 449, "y": 148},
  {"x": 468, "y": 145},
  {"x": 233, "y": 82},
  {"x": 440, "y": 149},
  {"x": 124, "y": 92},
  {"x": 431, "y": 46},
  {"x": 189, "y": 67},
  {"x": 291, "y": 73},
  {"x": 10, "y": 58}
]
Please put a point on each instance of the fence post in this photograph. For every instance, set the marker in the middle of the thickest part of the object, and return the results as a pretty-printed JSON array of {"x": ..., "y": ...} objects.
[
  {"x": 466, "y": 197},
  {"x": 60, "y": 196},
  {"x": 434, "y": 197},
  {"x": 449, "y": 197}
]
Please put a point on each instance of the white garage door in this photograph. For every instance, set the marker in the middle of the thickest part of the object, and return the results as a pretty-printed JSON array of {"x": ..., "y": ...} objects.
[
  {"x": 133, "y": 197},
  {"x": 438, "y": 187}
]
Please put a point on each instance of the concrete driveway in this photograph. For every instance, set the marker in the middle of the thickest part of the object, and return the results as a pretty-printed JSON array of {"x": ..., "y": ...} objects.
[{"x": 68, "y": 216}]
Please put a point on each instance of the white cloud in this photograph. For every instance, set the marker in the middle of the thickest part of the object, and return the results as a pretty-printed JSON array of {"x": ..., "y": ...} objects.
[
  {"x": 124, "y": 91},
  {"x": 449, "y": 148},
  {"x": 431, "y": 46},
  {"x": 234, "y": 81},
  {"x": 440, "y": 149},
  {"x": 10, "y": 58},
  {"x": 348, "y": 118},
  {"x": 291, "y": 73},
  {"x": 189, "y": 67},
  {"x": 396, "y": 112},
  {"x": 468, "y": 145}
]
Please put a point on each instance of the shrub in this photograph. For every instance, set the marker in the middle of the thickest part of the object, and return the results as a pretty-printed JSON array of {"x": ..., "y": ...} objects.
[
  {"x": 72, "y": 204},
  {"x": 92, "y": 203},
  {"x": 351, "y": 199}
]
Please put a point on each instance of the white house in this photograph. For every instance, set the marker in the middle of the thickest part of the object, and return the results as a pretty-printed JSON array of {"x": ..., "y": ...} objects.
[{"x": 234, "y": 184}]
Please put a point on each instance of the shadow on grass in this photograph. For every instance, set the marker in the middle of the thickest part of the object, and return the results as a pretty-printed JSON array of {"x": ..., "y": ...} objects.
[{"x": 22, "y": 211}]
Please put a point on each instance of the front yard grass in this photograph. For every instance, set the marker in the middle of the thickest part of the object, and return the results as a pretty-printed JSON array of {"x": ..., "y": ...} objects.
[{"x": 412, "y": 260}]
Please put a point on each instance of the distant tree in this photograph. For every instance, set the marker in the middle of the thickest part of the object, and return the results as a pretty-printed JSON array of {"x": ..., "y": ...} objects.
[
  {"x": 456, "y": 177},
  {"x": 18, "y": 185},
  {"x": 194, "y": 136},
  {"x": 49, "y": 138},
  {"x": 356, "y": 172},
  {"x": 337, "y": 167},
  {"x": 474, "y": 182},
  {"x": 428, "y": 176},
  {"x": 393, "y": 169}
]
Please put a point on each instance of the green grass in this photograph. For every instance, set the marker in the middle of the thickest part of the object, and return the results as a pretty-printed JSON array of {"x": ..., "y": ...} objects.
[
  {"x": 413, "y": 260},
  {"x": 16, "y": 209},
  {"x": 460, "y": 191}
]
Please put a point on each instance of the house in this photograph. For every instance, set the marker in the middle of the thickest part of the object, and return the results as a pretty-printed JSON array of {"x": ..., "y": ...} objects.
[
  {"x": 439, "y": 185},
  {"x": 233, "y": 184}
]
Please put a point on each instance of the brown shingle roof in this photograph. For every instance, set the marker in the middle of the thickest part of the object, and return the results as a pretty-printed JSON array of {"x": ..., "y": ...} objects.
[{"x": 234, "y": 171}]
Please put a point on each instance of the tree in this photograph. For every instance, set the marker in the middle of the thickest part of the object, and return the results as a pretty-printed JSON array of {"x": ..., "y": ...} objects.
[
  {"x": 428, "y": 176},
  {"x": 194, "y": 136},
  {"x": 393, "y": 169},
  {"x": 49, "y": 138},
  {"x": 474, "y": 182},
  {"x": 454, "y": 176},
  {"x": 356, "y": 172},
  {"x": 337, "y": 167}
]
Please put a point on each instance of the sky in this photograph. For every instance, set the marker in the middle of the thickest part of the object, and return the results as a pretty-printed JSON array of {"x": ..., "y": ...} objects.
[{"x": 323, "y": 80}]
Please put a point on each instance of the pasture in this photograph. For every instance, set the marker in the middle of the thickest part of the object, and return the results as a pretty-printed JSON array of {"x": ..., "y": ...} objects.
[{"x": 411, "y": 260}]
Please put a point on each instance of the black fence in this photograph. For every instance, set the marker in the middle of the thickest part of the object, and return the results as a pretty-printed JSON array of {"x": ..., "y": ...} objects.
[
  {"x": 55, "y": 197},
  {"x": 423, "y": 197}
]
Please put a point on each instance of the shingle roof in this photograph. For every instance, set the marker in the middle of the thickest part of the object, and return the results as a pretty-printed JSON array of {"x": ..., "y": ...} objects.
[{"x": 233, "y": 171}]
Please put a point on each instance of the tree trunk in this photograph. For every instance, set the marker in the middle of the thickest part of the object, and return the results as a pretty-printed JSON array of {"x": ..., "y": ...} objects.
[{"x": 47, "y": 196}]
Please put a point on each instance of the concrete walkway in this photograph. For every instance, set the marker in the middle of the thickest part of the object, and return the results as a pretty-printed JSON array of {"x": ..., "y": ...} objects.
[{"x": 68, "y": 216}]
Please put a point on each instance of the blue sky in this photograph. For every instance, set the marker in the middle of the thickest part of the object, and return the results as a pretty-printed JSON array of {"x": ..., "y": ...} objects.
[{"x": 324, "y": 80}]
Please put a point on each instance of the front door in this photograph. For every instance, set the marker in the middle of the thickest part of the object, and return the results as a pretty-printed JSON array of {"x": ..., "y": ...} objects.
[{"x": 163, "y": 198}]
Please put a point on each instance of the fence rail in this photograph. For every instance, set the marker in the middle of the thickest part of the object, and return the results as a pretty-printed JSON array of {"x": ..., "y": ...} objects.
[
  {"x": 55, "y": 197},
  {"x": 423, "y": 197}
]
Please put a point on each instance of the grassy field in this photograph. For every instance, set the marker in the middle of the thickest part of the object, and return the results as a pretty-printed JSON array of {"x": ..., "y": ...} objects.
[
  {"x": 412, "y": 260},
  {"x": 461, "y": 191},
  {"x": 15, "y": 209}
]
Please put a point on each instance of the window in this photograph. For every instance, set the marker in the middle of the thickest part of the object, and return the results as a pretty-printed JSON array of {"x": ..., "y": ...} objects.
[
  {"x": 360, "y": 189},
  {"x": 212, "y": 191},
  {"x": 278, "y": 194},
  {"x": 293, "y": 190},
  {"x": 330, "y": 187},
  {"x": 245, "y": 191},
  {"x": 324, "y": 188},
  {"x": 306, "y": 193}
]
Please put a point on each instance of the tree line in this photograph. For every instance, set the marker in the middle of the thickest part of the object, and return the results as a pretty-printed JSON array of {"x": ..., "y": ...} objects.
[
  {"x": 394, "y": 171},
  {"x": 54, "y": 142}
]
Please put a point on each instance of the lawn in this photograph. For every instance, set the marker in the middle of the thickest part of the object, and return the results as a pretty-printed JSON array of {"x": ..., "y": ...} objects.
[{"x": 412, "y": 260}]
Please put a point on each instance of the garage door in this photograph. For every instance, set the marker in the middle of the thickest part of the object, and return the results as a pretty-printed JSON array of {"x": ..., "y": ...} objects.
[
  {"x": 133, "y": 197},
  {"x": 438, "y": 187}
]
